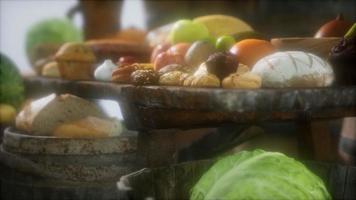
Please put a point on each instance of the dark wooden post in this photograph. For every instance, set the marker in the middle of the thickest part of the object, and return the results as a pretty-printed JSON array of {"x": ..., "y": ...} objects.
[
  {"x": 305, "y": 137},
  {"x": 101, "y": 18}
]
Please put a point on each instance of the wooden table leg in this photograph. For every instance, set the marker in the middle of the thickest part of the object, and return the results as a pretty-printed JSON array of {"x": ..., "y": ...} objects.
[
  {"x": 305, "y": 138},
  {"x": 325, "y": 143},
  {"x": 315, "y": 140}
]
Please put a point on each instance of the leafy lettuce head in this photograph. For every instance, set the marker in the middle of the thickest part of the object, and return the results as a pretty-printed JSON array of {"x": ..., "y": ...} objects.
[
  {"x": 52, "y": 31},
  {"x": 259, "y": 175},
  {"x": 11, "y": 84}
]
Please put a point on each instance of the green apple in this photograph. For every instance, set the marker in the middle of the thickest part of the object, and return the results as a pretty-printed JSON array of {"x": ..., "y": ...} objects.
[
  {"x": 224, "y": 43},
  {"x": 211, "y": 40},
  {"x": 188, "y": 31}
]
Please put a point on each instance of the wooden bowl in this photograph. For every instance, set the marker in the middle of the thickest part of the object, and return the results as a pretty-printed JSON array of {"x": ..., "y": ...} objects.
[
  {"x": 317, "y": 46},
  {"x": 73, "y": 159}
]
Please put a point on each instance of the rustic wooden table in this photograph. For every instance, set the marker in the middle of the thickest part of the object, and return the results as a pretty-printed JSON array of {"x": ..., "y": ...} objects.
[{"x": 147, "y": 108}]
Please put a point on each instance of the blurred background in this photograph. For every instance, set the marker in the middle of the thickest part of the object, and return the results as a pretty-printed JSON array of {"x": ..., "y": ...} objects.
[
  {"x": 16, "y": 16},
  {"x": 31, "y": 31},
  {"x": 275, "y": 18}
]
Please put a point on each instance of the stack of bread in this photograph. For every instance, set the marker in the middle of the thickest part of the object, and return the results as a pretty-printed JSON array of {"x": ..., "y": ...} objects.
[{"x": 66, "y": 116}]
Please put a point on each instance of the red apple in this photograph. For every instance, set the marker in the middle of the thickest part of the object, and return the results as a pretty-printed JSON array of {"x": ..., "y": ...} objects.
[
  {"x": 164, "y": 59},
  {"x": 159, "y": 49},
  {"x": 126, "y": 60},
  {"x": 180, "y": 48}
]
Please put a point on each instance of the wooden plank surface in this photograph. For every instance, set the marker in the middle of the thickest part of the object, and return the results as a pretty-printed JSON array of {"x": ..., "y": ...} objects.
[
  {"x": 39, "y": 86},
  {"x": 157, "y": 107},
  {"x": 240, "y": 100}
]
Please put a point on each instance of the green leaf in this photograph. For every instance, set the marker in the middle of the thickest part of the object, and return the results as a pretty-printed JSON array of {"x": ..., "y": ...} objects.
[
  {"x": 259, "y": 175},
  {"x": 11, "y": 84}
]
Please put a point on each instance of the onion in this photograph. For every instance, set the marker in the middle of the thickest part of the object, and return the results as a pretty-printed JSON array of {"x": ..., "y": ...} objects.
[{"x": 334, "y": 28}]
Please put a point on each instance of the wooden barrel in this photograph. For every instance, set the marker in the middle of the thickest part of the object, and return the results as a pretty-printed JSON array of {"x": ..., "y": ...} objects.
[{"x": 70, "y": 168}]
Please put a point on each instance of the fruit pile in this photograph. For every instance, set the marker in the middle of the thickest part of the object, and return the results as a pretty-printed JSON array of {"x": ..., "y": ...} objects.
[{"x": 209, "y": 51}]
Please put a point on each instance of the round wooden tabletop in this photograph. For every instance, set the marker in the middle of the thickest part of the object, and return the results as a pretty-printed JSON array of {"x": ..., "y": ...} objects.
[{"x": 155, "y": 107}]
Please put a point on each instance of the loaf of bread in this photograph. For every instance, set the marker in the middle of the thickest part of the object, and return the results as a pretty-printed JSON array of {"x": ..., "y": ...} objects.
[
  {"x": 293, "y": 69},
  {"x": 41, "y": 117},
  {"x": 89, "y": 127}
]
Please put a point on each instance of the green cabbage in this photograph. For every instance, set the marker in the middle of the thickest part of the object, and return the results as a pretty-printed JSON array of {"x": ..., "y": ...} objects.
[
  {"x": 259, "y": 175},
  {"x": 11, "y": 84},
  {"x": 51, "y": 31}
]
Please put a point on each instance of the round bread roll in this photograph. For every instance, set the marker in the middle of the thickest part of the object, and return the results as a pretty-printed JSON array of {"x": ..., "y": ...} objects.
[
  {"x": 188, "y": 81},
  {"x": 242, "y": 81},
  {"x": 242, "y": 69},
  {"x": 144, "y": 77},
  {"x": 174, "y": 78},
  {"x": 293, "y": 69},
  {"x": 205, "y": 80}
]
